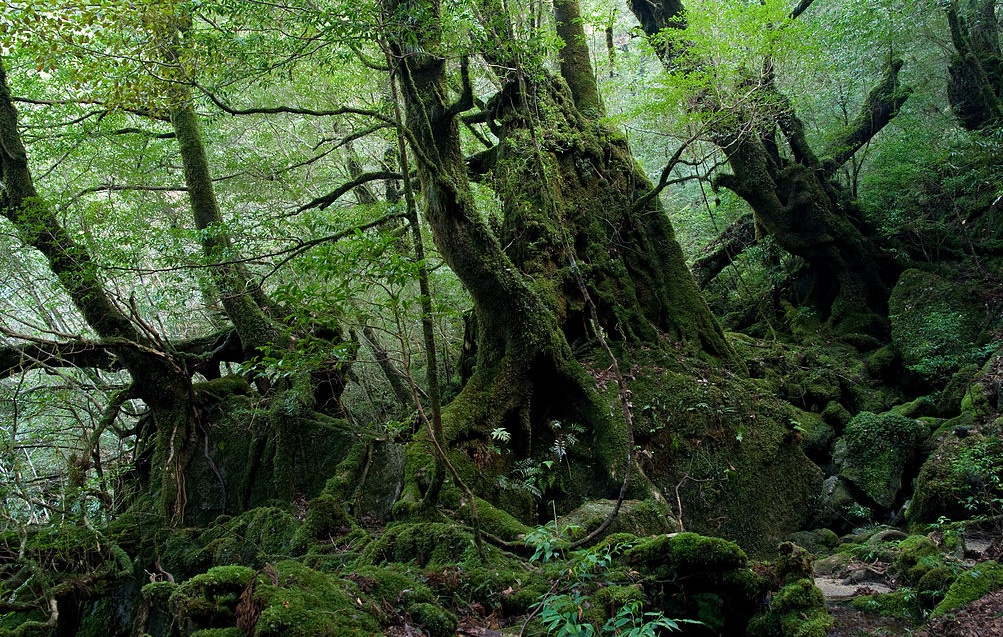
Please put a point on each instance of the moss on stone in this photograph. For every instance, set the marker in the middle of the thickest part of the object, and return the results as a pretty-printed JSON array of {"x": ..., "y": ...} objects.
[
  {"x": 219, "y": 632},
  {"x": 732, "y": 450},
  {"x": 687, "y": 553},
  {"x": 158, "y": 593},
  {"x": 308, "y": 603},
  {"x": 969, "y": 586},
  {"x": 876, "y": 449},
  {"x": 326, "y": 521},
  {"x": 818, "y": 541},
  {"x": 257, "y": 536},
  {"x": 917, "y": 554},
  {"x": 425, "y": 544},
  {"x": 608, "y": 600},
  {"x": 436, "y": 621},
  {"x": 934, "y": 323},
  {"x": 960, "y": 479},
  {"x": 904, "y": 603},
  {"x": 392, "y": 585},
  {"x": 797, "y": 610}
]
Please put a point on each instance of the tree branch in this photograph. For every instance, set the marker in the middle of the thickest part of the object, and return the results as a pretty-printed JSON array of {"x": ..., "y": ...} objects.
[
  {"x": 880, "y": 106},
  {"x": 293, "y": 110},
  {"x": 721, "y": 252},
  {"x": 328, "y": 199},
  {"x": 40, "y": 353}
]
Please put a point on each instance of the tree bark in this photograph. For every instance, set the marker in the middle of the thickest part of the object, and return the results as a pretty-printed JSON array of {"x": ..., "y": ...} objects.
[
  {"x": 976, "y": 69},
  {"x": 720, "y": 253}
]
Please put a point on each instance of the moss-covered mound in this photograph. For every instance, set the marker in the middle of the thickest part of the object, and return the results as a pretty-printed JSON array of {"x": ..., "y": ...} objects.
[
  {"x": 875, "y": 451},
  {"x": 294, "y": 450},
  {"x": 703, "y": 578},
  {"x": 729, "y": 449},
  {"x": 251, "y": 539},
  {"x": 961, "y": 478},
  {"x": 935, "y": 325},
  {"x": 980, "y": 580},
  {"x": 798, "y": 610}
]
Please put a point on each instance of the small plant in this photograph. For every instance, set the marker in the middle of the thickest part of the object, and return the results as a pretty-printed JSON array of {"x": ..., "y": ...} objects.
[
  {"x": 547, "y": 541},
  {"x": 563, "y": 615},
  {"x": 566, "y": 614},
  {"x": 631, "y": 622}
]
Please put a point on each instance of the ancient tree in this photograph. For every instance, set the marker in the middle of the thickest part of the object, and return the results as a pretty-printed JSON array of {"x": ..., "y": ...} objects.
[{"x": 790, "y": 186}]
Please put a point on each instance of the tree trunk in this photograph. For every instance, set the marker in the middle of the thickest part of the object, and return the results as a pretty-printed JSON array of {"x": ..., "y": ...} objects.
[
  {"x": 160, "y": 380},
  {"x": 574, "y": 243},
  {"x": 793, "y": 195},
  {"x": 976, "y": 69}
]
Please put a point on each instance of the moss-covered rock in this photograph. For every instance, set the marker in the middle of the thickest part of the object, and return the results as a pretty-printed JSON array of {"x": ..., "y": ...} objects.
[
  {"x": 697, "y": 577},
  {"x": 636, "y": 517},
  {"x": 729, "y": 449},
  {"x": 980, "y": 580},
  {"x": 301, "y": 602},
  {"x": 818, "y": 541},
  {"x": 961, "y": 478},
  {"x": 424, "y": 544},
  {"x": 798, "y": 610},
  {"x": 875, "y": 451},
  {"x": 903, "y": 604},
  {"x": 209, "y": 599},
  {"x": 934, "y": 323},
  {"x": 252, "y": 538},
  {"x": 917, "y": 555},
  {"x": 435, "y": 620}
]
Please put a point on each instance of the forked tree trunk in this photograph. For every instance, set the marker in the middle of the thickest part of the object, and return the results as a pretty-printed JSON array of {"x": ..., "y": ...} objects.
[
  {"x": 573, "y": 238},
  {"x": 793, "y": 194},
  {"x": 159, "y": 379}
]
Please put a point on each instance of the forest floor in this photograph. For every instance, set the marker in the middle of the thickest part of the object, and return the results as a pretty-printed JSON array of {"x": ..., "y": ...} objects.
[{"x": 981, "y": 618}]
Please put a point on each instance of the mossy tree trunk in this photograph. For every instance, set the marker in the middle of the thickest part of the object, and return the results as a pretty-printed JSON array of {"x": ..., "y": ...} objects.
[
  {"x": 575, "y": 237},
  {"x": 976, "y": 69},
  {"x": 792, "y": 190},
  {"x": 159, "y": 378}
]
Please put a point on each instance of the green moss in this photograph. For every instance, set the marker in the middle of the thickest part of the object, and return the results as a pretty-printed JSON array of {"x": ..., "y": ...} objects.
[
  {"x": 607, "y": 602},
  {"x": 836, "y": 415},
  {"x": 252, "y": 538},
  {"x": 818, "y": 541},
  {"x": 884, "y": 362},
  {"x": 980, "y": 580},
  {"x": 877, "y": 450},
  {"x": 210, "y": 597},
  {"x": 934, "y": 324},
  {"x": 219, "y": 632},
  {"x": 307, "y": 603},
  {"x": 797, "y": 610},
  {"x": 917, "y": 554},
  {"x": 904, "y": 603},
  {"x": 436, "y": 621},
  {"x": 961, "y": 478},
  {"x": 922, "y": 406},
  {"x": 157, "y": 593},
  {"x": 326, "y": 521},
  {"x": 732, "y": 450},
  {"x": 639, "y": 518},
  {"x": 498, "y": 522},
  {"x": 426, "y": 544},
  {"x": 934, "y": 584},
  {"x": 687, "y": 553},
  {"x": 392, "y": 585}
]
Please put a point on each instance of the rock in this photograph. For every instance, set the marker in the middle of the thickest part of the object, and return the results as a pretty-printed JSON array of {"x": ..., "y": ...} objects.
[
  {"x": 875, "y": 451},
  {"x": 934, "y": 324}
]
